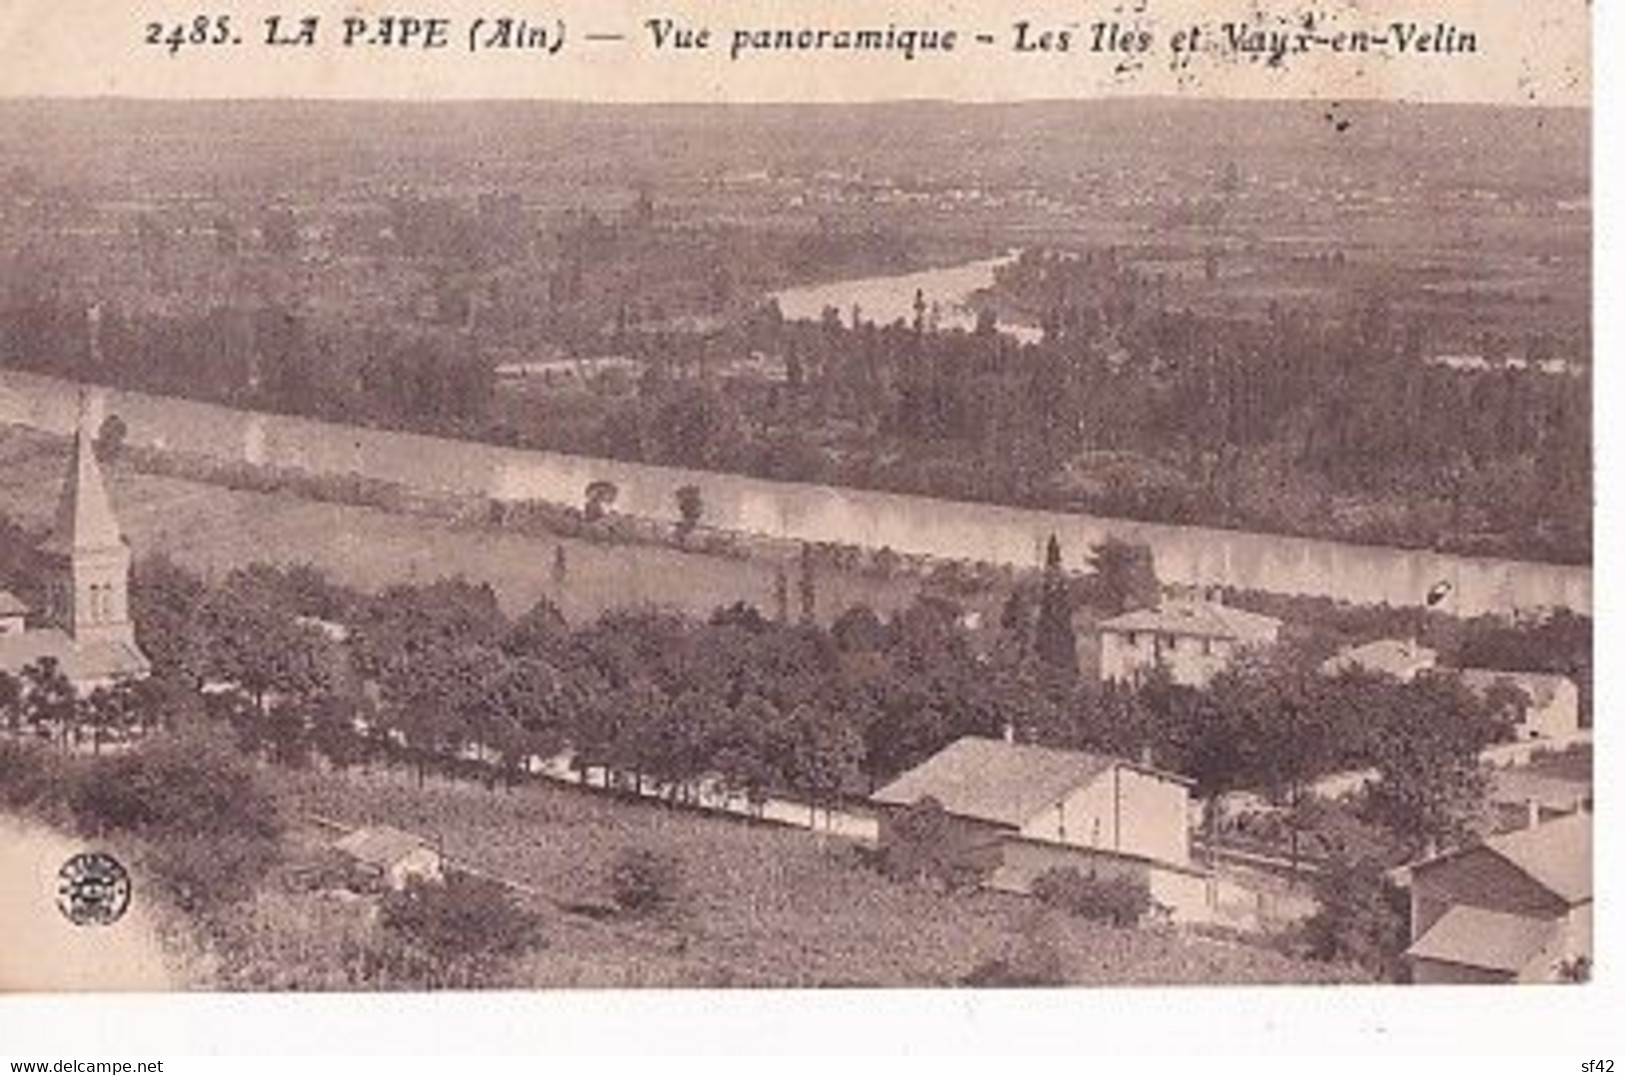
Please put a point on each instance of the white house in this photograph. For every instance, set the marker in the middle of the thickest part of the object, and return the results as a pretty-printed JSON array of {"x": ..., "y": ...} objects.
[
  {"x": 1554, "y": 701},
  {"x": 1020, "y": 810},
  {"x": 1193, "y": 639}
]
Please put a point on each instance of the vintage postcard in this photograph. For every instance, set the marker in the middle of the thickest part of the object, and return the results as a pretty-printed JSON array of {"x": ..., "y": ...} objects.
[{"x": 795, "y": 495}]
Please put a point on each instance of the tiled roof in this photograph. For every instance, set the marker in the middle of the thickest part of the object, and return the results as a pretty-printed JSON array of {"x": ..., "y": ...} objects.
[
  {"x": 380, "y": 845},
  {"x": 79, "y": 661},
  {"x": 990, "y": 780},
  {"x": 1201, "y": 619},
  {"x": 1475, "y": 937},
  {"x": 1556, "y": 854}
]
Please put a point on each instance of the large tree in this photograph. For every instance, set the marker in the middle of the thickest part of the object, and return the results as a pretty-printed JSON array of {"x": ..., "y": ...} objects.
[
  {"x": 1431, "y": 787},
  {"x": 1124, "y": 576}
]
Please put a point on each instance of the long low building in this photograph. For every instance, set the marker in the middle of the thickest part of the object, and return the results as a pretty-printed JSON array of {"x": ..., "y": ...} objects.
[{"x": 1017, "y": 811}]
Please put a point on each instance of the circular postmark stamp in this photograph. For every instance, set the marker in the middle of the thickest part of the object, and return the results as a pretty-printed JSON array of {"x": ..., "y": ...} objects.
[{"x": 93, "y": 889}]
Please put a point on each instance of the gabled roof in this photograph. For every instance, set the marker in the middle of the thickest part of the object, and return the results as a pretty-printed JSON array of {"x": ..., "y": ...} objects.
[
  {"x": 11, "y": 604},
  {"x": 80, "y": 661},
  {"x": 1401, "y": 658},
  {"x": 1555, "y": 855},
  {"x": 1200, "y": 619},
  {"x": 380, "y": 845},
  {"x": 991, "y": 780},
  {"x": 1492, "y": 940},
  {"x": 84, "y": 515}
]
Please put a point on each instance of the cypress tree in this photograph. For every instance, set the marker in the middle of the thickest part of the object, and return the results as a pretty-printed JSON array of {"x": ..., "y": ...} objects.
[{"x": 1054, "y": 638}]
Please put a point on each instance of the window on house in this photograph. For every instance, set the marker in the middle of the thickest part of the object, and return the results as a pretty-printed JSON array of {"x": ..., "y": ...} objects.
[{"x": 1207, "y": 647}]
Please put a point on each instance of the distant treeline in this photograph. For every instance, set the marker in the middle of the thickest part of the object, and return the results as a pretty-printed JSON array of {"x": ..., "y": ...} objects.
[{"x": 1327, "y": 427}]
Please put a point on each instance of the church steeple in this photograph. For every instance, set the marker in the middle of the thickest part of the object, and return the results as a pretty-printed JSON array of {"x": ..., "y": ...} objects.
[
  {"x": 90, "y": 577},
  {"x": 84, "y": 514}
]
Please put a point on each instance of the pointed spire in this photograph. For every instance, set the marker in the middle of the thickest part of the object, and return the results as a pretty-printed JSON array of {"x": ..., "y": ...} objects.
[{"x": 84, "y": 514}]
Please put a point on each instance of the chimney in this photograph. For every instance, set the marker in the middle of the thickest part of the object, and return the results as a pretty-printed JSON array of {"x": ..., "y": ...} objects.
[
  {"x": 1534, "y": 812},
  {"x": 1010, "y": 731}
]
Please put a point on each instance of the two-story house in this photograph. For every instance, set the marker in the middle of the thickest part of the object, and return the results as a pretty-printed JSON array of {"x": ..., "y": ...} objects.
[{"x": 1193, "y": 639}]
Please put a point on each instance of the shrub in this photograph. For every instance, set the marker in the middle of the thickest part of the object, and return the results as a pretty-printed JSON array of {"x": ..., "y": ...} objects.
[
  {"x": 182, "y": 784},
  {"x": 461, "y": 924},
  {"x": 1032, "y": 962},
  {"x": 690, "y": 508},
  {"x": 920, "y": 847},
  {"x": 208, "y": 829},
  {"x": 207, "y": 871},
  {"x": 1119, "y": 900},
  {"x": 643, "y": 881},
  {"x": 32, "y": 776}
]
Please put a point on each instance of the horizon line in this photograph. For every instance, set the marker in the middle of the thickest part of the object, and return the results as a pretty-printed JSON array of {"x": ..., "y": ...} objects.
[{"x": 1126, "y": 98}]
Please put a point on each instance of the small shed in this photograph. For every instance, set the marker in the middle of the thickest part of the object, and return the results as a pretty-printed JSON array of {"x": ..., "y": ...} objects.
[{"x": 390, "y": 856}]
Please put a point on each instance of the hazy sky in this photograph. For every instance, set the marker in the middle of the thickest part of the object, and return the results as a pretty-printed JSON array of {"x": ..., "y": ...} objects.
[{"x": 1536, "y": 52}]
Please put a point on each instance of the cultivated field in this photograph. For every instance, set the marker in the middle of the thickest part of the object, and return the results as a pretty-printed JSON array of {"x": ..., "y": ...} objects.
[{"x": 764, "y": 906}]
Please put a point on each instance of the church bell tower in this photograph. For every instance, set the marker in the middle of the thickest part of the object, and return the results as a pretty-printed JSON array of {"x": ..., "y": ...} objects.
[{"x": 88, "y": 583}]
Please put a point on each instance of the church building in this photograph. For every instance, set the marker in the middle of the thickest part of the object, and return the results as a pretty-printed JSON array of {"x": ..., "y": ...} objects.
[{"x": 85, "y": 625}]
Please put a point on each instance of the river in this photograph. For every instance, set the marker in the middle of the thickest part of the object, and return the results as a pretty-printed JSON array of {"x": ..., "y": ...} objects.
[
  {"x": 951, "y": 530},
  {"x": 887, "y": 299}
]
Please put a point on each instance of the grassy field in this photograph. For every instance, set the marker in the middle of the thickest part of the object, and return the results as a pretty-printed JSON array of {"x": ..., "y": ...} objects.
[
  {"x": 211, "y": 529},
  {"x": 763, "y": 906}
]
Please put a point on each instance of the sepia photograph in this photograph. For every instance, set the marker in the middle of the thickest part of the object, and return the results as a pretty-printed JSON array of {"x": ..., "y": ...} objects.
[{"x": 533, "y": 541}]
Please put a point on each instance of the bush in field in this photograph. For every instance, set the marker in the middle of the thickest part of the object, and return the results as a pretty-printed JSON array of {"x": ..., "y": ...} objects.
[
  {"x": 209, "y": 870},
  {"x": 209, "y": 830},
  {"x": 32, "y": 776},
  {"x": 1119, "y": 900},
  {"x": 920, "y": 847},
  {"x": 465, "y": 928},
  {"x": 184, "y": 783},
  {"x": 1033, "y": 961},
  {"x": 643, "y": 881},
  {"x": 690, "y": 509}
]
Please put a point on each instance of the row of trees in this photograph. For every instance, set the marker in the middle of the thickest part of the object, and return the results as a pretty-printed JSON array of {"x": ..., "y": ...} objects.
[
  {"x": 437, "y": 672},
  {"x": 42, "y": 702}
]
